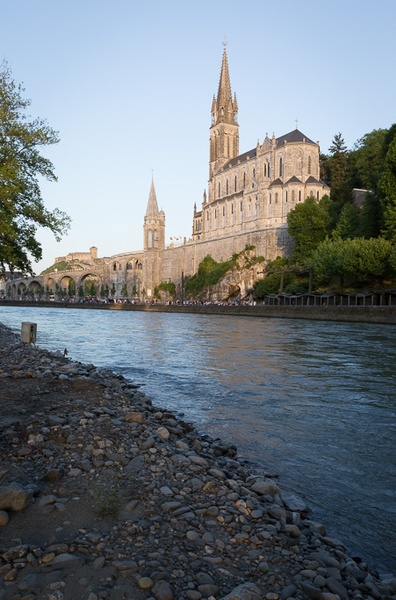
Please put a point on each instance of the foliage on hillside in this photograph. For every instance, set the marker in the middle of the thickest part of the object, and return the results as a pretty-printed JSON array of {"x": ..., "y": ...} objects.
[
  {"x": 211, "y": 272},
  {"x": 167, "y": 287},
  {"x": 63, "y": 265}
]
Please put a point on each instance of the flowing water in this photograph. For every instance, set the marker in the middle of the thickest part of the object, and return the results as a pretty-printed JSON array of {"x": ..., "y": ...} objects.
[{"x": 314, "y": 402}]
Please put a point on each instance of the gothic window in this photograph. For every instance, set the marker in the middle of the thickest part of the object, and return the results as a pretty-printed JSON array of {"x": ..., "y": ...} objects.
[
  {"x": 254, "y": 173},
  {"x": 265, "y": 169},
  {"x": 309, "y": 165},
  {"x": 280, "y": 167},
  {"x": 232, "y": 209},
  {"x": 235, "y": 184},
  {"x": 218, "y": 190},
  {"x": 286, "y": 197},
  {"x": 223, "y": 211},
  {"x": 299, "y": 196},
  {"x": 270, "y": 198},
  {"x": 241, "y": 205},
  {"x": 215, "y": 213},
  {"x": 244, "y": 180},
  {"x": 276, "y": 197},
  {"x": 149, "y": 239},
  {"x": 317, "y": 196},
  {"x": 269, "y": 170},
  {"x": 115, "y": 267},
  {"x": 227, "y": 187}
]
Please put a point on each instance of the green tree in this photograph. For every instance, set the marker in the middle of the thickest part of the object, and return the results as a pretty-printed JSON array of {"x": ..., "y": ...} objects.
[
  {"x": 348, "y": 224},
  {"x": 359, "y": 259},
  {"x": 308, "y": 225},
  {"x": 387, "y": 185},
  {"x": 335, "y": 170},
  {"x": 366, "y": 160},
  {"x": 21, "y": 165}
]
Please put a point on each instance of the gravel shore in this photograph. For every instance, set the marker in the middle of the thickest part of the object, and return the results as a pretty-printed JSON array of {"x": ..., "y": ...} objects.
[{"x": 104, "y": 495}]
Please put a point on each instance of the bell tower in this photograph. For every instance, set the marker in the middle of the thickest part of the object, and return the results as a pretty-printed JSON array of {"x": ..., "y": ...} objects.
[
  {"x": 154, "y": 243},
  {"x": 224, "y": 131}
]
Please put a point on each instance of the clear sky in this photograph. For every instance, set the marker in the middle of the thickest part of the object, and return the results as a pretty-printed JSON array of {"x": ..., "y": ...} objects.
[{"x": 129, "y": 85}]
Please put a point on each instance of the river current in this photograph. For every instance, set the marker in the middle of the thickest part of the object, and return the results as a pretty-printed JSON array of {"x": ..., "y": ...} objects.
[{"x": 313, "y": 402}]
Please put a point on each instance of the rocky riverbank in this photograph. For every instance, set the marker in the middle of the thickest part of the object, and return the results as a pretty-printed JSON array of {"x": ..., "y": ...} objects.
[{"x": 104, "y": 495}]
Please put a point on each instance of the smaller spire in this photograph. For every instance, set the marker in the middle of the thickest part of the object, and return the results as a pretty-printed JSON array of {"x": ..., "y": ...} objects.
[{"x": 152, "y": 205}]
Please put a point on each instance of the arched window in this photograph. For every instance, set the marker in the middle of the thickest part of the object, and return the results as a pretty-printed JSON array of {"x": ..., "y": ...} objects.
[
  {"x": 149, "y": 239},
  {"x": 270, "y": 198},
  {"x": 227, "y": 187},
  {"x": 254, "y": 173},
  {"x": 280, "y": 167},
  {"x": 218, "y": 190},
  {"x": 235, "y": 184},
  {"x": 309, "y": 165},
  {"x": 244, "y": 179},
  {"x": 286, "y": 197},
  {"x": 265, "y": 169},
  {"x": 299, "y": 196},
  {"x": 269, "y": 170}
]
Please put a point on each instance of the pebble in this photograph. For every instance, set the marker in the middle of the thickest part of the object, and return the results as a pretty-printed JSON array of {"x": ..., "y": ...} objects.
[{"x": 169, "y": 514}]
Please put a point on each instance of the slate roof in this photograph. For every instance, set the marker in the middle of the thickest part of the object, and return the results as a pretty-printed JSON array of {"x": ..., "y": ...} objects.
[
  {"x": 293, "y": 137},
  {"x": 293, "y": 179},
  {"x": 276, "y": 182}
]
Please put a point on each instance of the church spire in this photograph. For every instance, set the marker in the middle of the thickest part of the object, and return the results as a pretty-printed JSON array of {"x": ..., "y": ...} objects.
[
  {"x": 224, "y": 131},
  {"x": 224, "y": 108},
  {"x": 152, "y": 205}
]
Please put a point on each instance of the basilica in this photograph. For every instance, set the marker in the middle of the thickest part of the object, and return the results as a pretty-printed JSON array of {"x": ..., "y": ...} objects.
[{"x": 246, "y": 203}]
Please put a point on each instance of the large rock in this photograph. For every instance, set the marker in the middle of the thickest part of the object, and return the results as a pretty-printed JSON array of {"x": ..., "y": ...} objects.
[
  {"x": 245, "y": 591},
  {"x": 14, "y": 497}
]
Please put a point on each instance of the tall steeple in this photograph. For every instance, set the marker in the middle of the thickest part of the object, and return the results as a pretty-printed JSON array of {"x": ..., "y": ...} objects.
[
  {"x": 154, "y": 242},
  {"x": 224, "y": 132}
]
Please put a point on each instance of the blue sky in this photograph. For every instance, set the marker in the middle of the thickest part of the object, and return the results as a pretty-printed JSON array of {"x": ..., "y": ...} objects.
[{"x": 129, "y": 84}]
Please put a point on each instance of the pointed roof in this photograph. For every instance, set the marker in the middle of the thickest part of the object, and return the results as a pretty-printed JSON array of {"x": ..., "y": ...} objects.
[
  {"x": 293, "y": 179},
  {"x": 152, "y": 206},
  {"x": 293, "y": 137},
  {"x": 224, "y": 92},
  {"x": 224, "y": 107}
]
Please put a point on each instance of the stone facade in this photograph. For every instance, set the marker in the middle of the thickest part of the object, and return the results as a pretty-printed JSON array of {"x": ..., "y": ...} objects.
[{"x": 248, "y": 199}]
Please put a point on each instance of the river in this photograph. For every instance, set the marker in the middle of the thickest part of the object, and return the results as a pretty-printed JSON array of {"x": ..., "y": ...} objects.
[{"x": 313, "y": 402}]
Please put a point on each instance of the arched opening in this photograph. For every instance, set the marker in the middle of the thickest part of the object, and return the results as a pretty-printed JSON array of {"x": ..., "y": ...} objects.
[
  {"x": 89, "y": 286},
  {"x": 68, "y": 286}
]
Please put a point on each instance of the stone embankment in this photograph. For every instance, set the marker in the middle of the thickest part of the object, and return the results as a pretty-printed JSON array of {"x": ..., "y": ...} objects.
[{"x": 103, "y": 495}]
